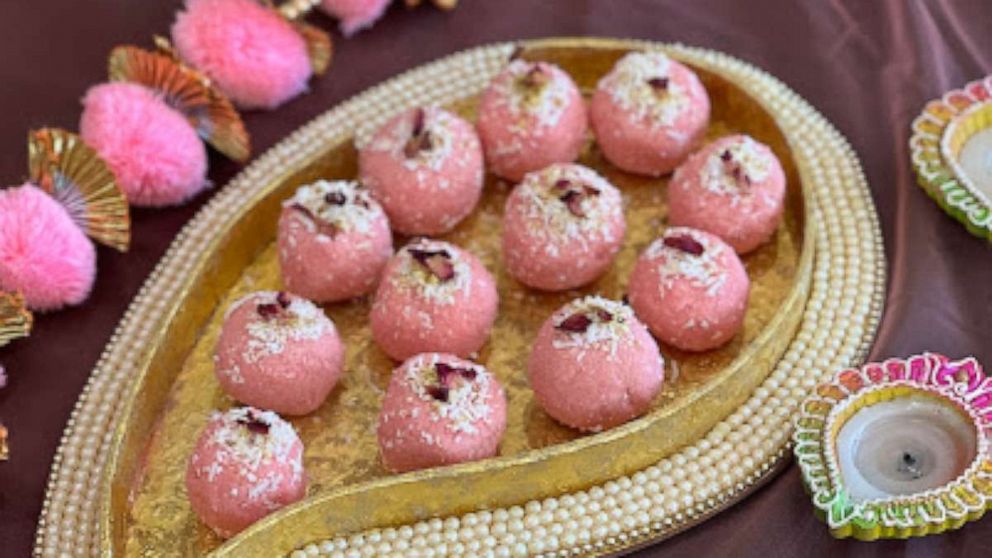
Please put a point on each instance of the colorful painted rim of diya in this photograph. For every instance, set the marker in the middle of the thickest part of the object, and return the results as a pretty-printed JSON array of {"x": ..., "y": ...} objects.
[
  {"x": 959, "y": 386},
  {"x": 938, "y": 135}
]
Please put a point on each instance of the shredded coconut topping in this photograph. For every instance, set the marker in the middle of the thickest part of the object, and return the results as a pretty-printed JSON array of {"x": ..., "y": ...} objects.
[
  {"x": 436, "y": 124},
  {"x": 299, "y": 320},
  {"x": 730, "y": 170},
  {"x": 467, "y": 400},
  {"x": 640, "y": 83},
  {"x": 416, "y": 276},
  {"x": 247, "y": 440},
  {"x": 703, "y": 271},
  {"x": 534, "y": 92},
  {"x": 564, "y": 203},
  {"x": 344, "y": 205},
  {"x": 605, "y": 324}
]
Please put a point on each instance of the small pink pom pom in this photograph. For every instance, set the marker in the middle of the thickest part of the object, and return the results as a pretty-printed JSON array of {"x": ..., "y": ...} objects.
[
  {"x": 253, "y": 56},
  {"x": 43, "y": 254},
  {"x": 151, "y": 148},
  {"x": 355, "y": 15}
]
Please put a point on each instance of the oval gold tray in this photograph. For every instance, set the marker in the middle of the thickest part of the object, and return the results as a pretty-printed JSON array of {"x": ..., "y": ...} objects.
[{"x": 228, "y": 251}]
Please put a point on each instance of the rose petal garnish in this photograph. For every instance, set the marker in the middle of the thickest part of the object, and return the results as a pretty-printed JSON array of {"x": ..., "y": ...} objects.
[
  {"x": 438, "y": 262},
  {"x": 576, "y": 323},
  {"x": 438, "y": 392},
  {"x": 446, "y": 371},
  {"x": 573, "y": 200},
  {"x": 725, "y": 156},
  {"x": 268, "y": 310},
  {"x": 282, "y": 297},
  {"x": 254, "y": 425},
  {"x": 589, "y": 190},
  {"x": 335, "y": 198},
  {"x": 685, "y": 243},
  {"x": 603, "y": 315},
  {"x": 534, "y": 77},
  {"x": 330, "y": 229},
  {"x": 420, "y": 137},
  {"x": 659, "y": 83},
  {"x": 419, "y": 117},
  {"x": 562, "y": 183}
]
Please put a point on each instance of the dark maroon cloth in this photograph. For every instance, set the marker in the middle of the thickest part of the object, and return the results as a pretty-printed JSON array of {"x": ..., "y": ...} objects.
[{"x": 868, "y": 65}]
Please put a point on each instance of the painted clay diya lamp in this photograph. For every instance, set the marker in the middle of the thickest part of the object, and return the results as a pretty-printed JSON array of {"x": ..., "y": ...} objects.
[
  {"x": 898, "y": 449},
  {"x": 951, "y": 152}
]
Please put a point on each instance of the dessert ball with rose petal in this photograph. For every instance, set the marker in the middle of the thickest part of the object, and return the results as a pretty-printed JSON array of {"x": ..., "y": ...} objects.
[
  {"x": 434, "y": 297},
  {"x": 530, "y": 116},
  {"x": 152, "y": 149},
  {"x": 278, "y": 351},
  {"x": 734, "y": 188},
  {"x": 44, "y": 255},
  {"x": 334, "y": 241},
  {"x": 247, "y": 463},
  {"x": 354, "y": 15},
  {"x": 562, "y": 227},
  {"x": 649, "y": 113},
  {"x": 691, "y": 289},
  {"x": 594, "y": 365},
  {"x": 440, "y": 410},
  {"x": 251, "y": 53},
  {"x": 425, "y": 167}
]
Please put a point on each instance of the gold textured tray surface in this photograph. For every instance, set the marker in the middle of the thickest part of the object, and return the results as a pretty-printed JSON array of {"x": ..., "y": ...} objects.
[
  {"x": 340, "y": 440},
  {"x": 161, "y": 407}
]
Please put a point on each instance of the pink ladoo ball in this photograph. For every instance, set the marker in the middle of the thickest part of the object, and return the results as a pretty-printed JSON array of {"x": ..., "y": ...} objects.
[
  {"x": 531, "y": 115},
  {"x": 43, "y": 253},
  {"x": 247, "y": 463},
  {"x": 562, "y": 227},
  {"x": 733, "y": 188},
  {"x": 648, "y": 113},
  {"x": 278, "y": 351},
  {"x": 151, "y": 148},
  {"x": 434, "y": 297},
  {"x": 691, "y": 289},
  {"x": 425, "y": 167},
  {"x": 594, "y": 366},
  {"x": 249, "y": 52},
  {"x": 334, "y": 241},
  {"x": 355, "y": 15},
  {"x": 440, "y": 410}
]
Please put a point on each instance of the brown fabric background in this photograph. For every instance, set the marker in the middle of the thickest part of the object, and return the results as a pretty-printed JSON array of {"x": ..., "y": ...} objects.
[{"x": 868, "y": 65}]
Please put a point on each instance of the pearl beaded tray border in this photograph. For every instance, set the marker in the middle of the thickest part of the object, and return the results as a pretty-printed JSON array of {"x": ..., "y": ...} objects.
[{"x": 670, "y": 496}]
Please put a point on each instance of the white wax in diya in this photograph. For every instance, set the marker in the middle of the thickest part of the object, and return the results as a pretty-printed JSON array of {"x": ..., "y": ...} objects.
[
  {"x": 975, "y": 161},
  {"x": 904, "y": 446}
]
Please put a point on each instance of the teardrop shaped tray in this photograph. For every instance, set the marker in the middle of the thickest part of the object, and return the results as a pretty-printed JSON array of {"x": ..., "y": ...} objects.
[{"x": 719, "y": 426}]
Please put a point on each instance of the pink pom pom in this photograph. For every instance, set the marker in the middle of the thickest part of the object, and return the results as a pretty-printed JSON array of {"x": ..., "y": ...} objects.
[
  {"x": 43, "y": 254},
  {"x": 254, "y": 56},
  {"x": 355, "y": 15},
  {"x": 151, "y": 148}
]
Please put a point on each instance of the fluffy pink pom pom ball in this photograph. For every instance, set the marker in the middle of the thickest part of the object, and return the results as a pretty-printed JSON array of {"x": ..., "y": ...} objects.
[
  {"x": 254, "y": 56},
  {"x": 151, "y": 148},
  {"x": 43, "y": 254},
  {"x": 355, "y": 15}
]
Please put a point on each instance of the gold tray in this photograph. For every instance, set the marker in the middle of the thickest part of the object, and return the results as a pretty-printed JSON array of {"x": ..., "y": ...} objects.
[{"x": 227, "y": 251}]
